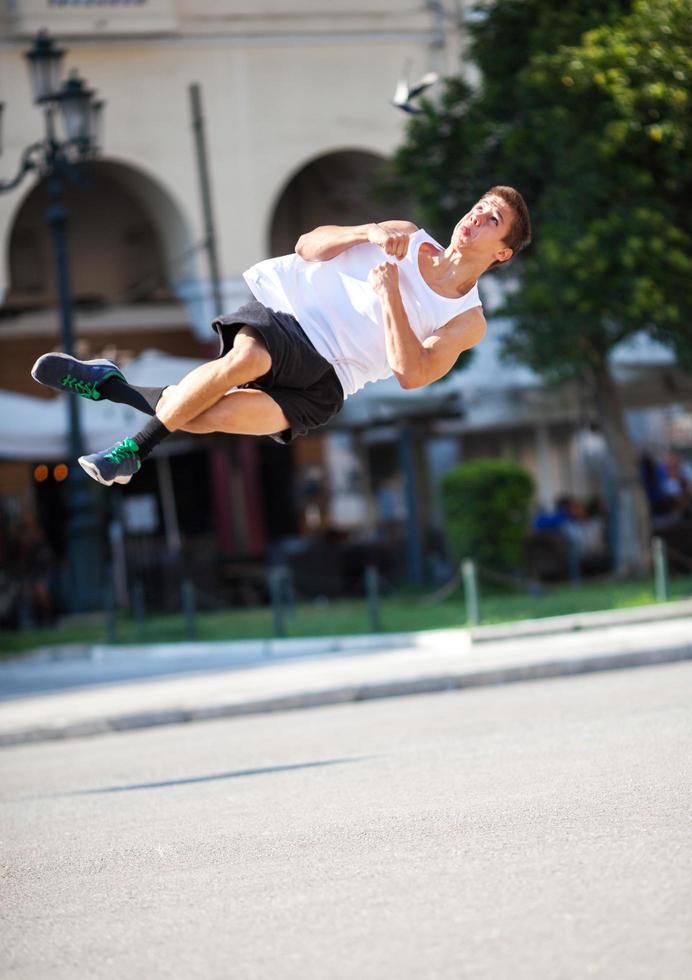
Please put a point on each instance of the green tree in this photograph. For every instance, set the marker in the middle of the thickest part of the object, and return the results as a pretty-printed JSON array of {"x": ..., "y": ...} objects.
[{"x": 586, "y": 107}]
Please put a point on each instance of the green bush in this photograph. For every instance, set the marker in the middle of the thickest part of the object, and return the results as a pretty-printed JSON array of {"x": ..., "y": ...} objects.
[{"x": 487, "y": 506}]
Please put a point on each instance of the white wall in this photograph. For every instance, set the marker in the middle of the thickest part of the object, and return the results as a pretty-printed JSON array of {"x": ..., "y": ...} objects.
[{"x": 282, "y": 83}]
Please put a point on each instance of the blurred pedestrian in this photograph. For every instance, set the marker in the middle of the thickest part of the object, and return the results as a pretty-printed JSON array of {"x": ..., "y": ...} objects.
[
  {"x": 653, "y": 474},
  {"x": 677, "y": 485},
  {"x": 34, "y": 572}
]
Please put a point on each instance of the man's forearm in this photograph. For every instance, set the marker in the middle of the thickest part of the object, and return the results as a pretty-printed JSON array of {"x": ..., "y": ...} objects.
[
  {"x": 328, "y": 241},
  {"x": 405, "y": 352}
]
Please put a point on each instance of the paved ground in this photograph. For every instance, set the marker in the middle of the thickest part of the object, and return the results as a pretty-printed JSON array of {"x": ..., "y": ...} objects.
[{"x": 535, "y": 831}]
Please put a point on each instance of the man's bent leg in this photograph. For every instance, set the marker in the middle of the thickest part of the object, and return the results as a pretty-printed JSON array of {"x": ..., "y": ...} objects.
[
  {"x": 244, "y": 413},
  {"x": 247, "y": 361}
]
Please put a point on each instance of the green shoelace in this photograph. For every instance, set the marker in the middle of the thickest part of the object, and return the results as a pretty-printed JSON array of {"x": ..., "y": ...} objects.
[
  {"x": 127, "y": 449},
  {"x": 85, "y": 389}
]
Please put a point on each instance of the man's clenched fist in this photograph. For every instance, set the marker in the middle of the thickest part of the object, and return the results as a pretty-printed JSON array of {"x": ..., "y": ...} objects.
[
  {"x": 393, "y": 242},
  {"x": 384, "y": 278}
]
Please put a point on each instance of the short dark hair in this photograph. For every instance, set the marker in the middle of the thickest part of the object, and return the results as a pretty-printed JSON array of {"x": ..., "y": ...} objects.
[{"x": 519, "y": 233}]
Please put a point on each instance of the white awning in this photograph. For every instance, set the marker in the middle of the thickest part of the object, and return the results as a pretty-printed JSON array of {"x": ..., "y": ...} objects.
[
  {"x": 37, "y": 428},
  {"x": 487, "y": 395}
]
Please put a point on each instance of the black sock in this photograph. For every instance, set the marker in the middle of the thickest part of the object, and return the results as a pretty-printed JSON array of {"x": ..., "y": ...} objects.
[
  {"x": 150, "y": 436},
  {"x": 143, "y": 399}
]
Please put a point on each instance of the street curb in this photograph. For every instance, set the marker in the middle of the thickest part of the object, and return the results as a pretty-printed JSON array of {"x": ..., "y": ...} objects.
[
  {"x": 276, "y": 648},
  {"x": 582, "y": 621},
  {"x": 352, "y": 693},
  {"x": 260, "y": 650}
]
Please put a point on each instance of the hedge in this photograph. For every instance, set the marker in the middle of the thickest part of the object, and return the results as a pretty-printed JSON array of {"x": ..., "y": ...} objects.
[{"x": 487, "y": 505}]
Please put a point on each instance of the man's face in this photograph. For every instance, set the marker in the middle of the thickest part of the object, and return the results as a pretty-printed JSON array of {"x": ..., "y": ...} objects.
[{"x": 481, "y": 231}]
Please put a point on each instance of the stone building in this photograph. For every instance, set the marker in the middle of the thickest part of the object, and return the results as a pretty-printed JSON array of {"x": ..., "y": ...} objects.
[
  {"x": 298, "y": 118},
  {"x": 296, "y": 101}
]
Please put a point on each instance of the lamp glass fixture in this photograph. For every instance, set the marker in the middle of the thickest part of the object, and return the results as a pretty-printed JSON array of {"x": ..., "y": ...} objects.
[
  {"x": 75, "y": 103},
  {"x": 44, "y": 60}
]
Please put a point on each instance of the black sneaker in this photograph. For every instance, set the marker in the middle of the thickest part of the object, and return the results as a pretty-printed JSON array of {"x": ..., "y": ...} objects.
[{"x": 65, "y": 373}]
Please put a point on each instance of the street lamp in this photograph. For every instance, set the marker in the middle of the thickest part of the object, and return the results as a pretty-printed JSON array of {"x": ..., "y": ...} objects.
[
  {"x": 44, "y": 66},
  {"x": 56, "y": 160}
]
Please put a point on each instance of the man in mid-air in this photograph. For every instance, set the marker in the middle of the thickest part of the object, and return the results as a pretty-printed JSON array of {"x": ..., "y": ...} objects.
[{"x": 349, "y": 306}]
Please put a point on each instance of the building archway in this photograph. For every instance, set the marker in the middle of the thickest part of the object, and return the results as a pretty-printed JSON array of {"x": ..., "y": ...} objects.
[
  {"x": 342, "y": 187},
  {"x": 338, "y": 188},
  {"x": 128, "y": 240}
]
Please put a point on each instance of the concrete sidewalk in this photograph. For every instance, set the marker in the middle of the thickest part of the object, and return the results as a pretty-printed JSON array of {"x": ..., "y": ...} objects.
[{"x": 118, "y": 688}]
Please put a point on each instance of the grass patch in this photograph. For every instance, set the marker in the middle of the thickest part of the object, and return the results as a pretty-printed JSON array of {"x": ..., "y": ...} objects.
[
  {"x": 403, "y": 612},
  {"x": 591, "y": 597}
]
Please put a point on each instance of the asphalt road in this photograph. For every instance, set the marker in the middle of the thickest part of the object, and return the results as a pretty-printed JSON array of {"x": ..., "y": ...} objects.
[{"x": 538, "y": 830}]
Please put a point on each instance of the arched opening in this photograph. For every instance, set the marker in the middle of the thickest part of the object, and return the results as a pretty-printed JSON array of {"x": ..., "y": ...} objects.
[
  {"x": 128, "y": 243},
  {"x": 340, "y": 188}
]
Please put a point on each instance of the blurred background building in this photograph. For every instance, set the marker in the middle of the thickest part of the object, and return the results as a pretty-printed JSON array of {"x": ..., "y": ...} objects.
[
  {"x": 297, "y": 112},
  {"x": 296, "y": 105}
]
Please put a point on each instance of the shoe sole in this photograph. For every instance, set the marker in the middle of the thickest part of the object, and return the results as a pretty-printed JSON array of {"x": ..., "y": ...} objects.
[
  {"x": 92, "y": 470},
  {"x": 71, "y": 360}
]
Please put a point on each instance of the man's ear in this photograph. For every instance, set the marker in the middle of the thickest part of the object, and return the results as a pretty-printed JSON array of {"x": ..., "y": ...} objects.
[{"x": 504, "y": 254}]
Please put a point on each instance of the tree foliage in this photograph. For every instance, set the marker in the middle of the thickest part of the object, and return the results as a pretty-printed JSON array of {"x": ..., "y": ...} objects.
[{"x": 585, "y": 106}]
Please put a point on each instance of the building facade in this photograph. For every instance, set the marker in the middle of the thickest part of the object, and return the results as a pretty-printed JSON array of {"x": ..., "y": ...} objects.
[{"x": 297, "y": 117}]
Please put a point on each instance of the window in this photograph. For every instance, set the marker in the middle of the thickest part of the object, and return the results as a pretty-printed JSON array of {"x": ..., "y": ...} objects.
[{"x": 96, "y": 3}]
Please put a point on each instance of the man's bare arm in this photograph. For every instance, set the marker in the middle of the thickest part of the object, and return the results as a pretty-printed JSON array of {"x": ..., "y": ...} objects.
[
  {"x": 416, "y": 364},
  {"x": 442, "y": 350},
  {"x": 328, "y": 241}
]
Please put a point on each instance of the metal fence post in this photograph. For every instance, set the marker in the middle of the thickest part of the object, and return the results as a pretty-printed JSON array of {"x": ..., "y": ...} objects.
[
  {"x": 138, "y": 609},
  {"x": 573, "y": 562},
  {"x": 276, "y": 593},
  {"x": 288, "y": 591},
  {"x": 658, "y": 548},
  {"x": 470, "y": 579},
  {"x": 187, "y": 594},
  {"x": 110, "y": 611},
  {"x": 372, "y": 592}
]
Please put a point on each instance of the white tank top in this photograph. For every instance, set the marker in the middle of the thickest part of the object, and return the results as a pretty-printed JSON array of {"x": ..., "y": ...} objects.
[{"x": 340, "y": 312}]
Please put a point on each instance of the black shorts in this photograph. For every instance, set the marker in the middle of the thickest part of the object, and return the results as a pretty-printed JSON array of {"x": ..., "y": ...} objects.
[{"x": 301, "y": 381}]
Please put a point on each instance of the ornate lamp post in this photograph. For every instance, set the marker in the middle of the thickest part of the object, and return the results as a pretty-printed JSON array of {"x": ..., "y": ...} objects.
[{"x": 56, "y": 160}]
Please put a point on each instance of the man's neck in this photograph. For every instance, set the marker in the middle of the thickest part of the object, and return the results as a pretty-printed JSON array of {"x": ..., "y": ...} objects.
[{"x": 455, "y": 270}]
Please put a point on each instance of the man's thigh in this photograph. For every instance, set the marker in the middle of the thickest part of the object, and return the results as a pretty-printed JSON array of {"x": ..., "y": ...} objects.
[{"x": 246, "y": 412}]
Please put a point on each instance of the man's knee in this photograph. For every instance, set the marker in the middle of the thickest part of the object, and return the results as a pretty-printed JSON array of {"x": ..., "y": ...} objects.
[
  {"x": 250, "y": 351},
  {"x": 165, "y": 396}
]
